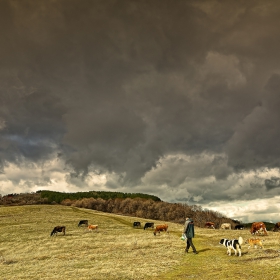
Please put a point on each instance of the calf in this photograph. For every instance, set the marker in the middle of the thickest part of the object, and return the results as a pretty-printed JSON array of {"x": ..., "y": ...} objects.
[
  {"x": 136, "y": 224},
  {"x": 160, "y": 228},
  {"x": 58, "y": 229},
  {"x": 149, "y": 225},
  {"x": 83, "y": 222},
  {"x": 93, "y": 227}
]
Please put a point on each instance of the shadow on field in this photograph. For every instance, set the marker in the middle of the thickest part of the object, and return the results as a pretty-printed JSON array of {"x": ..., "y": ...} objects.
[
  {"x": 203, "y": 250},
  {"x": 269, "y": 254}
]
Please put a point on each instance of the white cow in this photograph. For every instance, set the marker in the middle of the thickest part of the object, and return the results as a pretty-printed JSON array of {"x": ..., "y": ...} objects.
[{"x": 226, "y": 226}]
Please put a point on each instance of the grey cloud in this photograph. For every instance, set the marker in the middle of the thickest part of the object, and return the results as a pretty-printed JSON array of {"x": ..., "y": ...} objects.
[
  {"x": 272, "y": 183},
  {"x": 112, "y": 185},
  {"x": 254, "y": 143},
  {"x": 268, "y": 210},
  {"x": 118, "y": 87}
]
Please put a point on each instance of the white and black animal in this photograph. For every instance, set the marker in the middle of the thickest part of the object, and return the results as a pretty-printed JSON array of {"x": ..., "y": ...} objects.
[
  {"x": 149, "y": 225},
  {"x": 136, "y": 224},
  {"x": 237, "y": 227},
  {"x": 58, "y": 229},
  {"x": 83, "y": 222},
  {"x": 234, "y": 244}
]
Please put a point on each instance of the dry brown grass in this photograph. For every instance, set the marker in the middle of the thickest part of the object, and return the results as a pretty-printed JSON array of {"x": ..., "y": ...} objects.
[{"x": 118, "y": 251}]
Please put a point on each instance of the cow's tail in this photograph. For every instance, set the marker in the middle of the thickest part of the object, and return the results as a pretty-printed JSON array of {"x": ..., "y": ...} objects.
[{"x": 240, "y": 240}]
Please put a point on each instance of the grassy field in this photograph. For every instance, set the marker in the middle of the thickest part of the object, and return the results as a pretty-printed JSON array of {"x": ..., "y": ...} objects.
[{"x": 119, "y": 251}]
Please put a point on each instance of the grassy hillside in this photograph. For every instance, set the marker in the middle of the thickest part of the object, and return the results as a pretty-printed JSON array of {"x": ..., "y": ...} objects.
[{"x": 118, "y": 251}]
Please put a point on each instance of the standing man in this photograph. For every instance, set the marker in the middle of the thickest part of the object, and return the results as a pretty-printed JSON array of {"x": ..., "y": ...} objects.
[{"x": 189, "y": 232}]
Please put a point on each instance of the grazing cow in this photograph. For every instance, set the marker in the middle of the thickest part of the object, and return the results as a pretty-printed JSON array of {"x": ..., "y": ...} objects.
[
  {"x": 258, "y": 228},
  {"x": 210, "y": 225},
  {"x": 239, "y": 227},
  {"x": 136, "y": 224},
  {"x": 93, "y": 227},
  {"x": 58, "y": 229},
  {"x": 226, "y": 226},
  {"x": 149, "y": 225},
  {"x": 276, "y": 227},
  {"x": 160, "y": 228},
  {"x": 254, "y": 242},
  {"x": 83, "y": 222}
]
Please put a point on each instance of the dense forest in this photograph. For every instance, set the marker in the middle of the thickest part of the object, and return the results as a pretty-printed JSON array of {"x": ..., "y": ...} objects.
[
  {"x": 131, "y": 204},
  {"x": 58, "y": 197}
]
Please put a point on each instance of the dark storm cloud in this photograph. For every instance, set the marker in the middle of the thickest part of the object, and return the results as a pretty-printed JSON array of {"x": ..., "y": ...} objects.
[
  {"x": 115, "y": 87},
  {"x": 272, "y": 183}
]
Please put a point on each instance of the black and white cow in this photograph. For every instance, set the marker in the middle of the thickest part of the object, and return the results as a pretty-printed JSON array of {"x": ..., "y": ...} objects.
[
  {"x": 239, "y": 227},
  {"x": 149, "y": 225},
  {"x": 136, "y": 224},
  {"x": 58, "y": 229},
  {"x": 83, "y": 222}
]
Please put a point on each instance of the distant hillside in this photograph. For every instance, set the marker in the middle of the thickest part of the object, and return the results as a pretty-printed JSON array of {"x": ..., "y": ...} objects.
[{"x": 129, "y": 204}]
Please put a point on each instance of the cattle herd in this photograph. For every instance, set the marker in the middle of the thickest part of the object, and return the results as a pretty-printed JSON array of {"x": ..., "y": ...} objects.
[
  {"x": 82, "y": 222},
  {"x": 257, "y": 228},
  {"x": 158, "y": 228}
]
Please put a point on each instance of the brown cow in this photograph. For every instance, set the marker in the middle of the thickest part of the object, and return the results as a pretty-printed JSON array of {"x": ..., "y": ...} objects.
[
  {"x": 160, "y": 228},
  {"x": 210, "y": 225},
  {"x": 93, "y": 227},
  {"x": 258, "y": 227},
  {"x": 277, "y": 227}
]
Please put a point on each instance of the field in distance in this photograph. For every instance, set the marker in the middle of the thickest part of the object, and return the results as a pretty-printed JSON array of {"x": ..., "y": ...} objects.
[{"x": 119, "y": 251}]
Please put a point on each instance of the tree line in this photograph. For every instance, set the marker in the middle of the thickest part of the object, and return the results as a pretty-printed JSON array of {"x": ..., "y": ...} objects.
[
  {"x": 150, "y": 209},
  {"x": 58, "y": 197},
  {"x": 137, "y": 205}
]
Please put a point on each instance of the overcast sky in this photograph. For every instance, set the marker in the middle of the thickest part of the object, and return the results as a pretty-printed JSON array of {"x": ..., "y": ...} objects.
[{"x": 179, "y": 99}]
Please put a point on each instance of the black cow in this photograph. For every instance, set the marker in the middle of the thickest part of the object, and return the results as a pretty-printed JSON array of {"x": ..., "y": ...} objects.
[
  {"x": 239, "y": 227},
  {"x": 136, "y": 224},
  {"x": 149, "y": 225},
  {"x": 83, "y": 222},
  {"x": 58, "y": 229}
]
